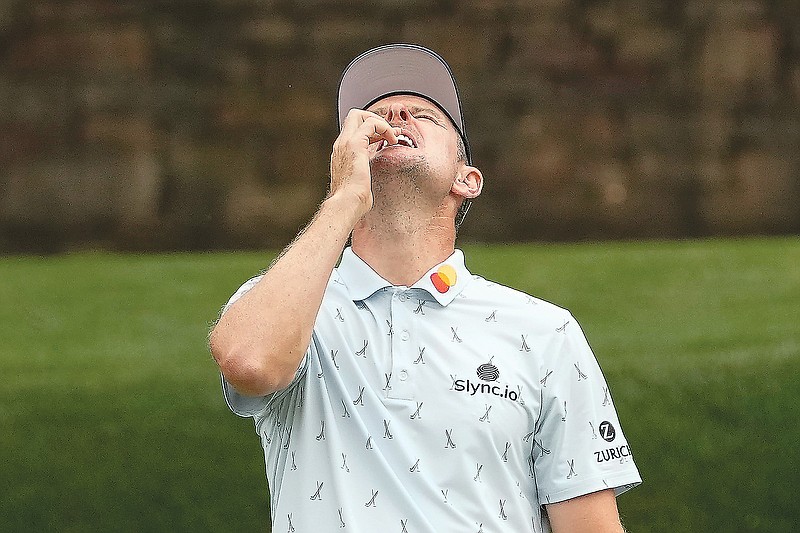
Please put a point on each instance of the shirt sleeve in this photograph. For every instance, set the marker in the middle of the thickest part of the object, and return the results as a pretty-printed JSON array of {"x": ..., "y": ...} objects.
[
  {"x": 579, "y": 446},
  {"x": 241, "y": 404}
]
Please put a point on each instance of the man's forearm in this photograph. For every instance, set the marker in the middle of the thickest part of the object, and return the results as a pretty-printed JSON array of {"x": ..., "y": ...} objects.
[
  {"x": 261, "y": 339},
  {"x": 591, "y": 513}
]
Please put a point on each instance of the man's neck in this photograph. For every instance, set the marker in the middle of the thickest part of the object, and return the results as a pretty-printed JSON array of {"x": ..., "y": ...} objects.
[{"x": 402, "y": 255}]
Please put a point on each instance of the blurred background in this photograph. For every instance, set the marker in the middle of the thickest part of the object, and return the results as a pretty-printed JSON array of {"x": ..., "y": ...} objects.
[{"x": 195, "y": 125}]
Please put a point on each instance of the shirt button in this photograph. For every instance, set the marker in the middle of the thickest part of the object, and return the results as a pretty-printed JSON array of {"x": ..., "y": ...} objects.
[
  {"x": 403, "y": 375},
  {"x": 404, "y": 335},
  {"x": 403, "y": 297}
]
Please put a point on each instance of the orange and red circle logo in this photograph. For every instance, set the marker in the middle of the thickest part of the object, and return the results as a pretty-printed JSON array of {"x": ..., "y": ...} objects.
[{"x": 444, "y": 278}]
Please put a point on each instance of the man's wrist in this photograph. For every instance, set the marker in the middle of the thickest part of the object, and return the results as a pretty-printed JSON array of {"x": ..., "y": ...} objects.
[{"x": 348, "y": 208}]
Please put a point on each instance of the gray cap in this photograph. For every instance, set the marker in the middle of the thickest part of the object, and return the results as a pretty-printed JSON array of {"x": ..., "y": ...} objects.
[{"x": 401, "y": 69}]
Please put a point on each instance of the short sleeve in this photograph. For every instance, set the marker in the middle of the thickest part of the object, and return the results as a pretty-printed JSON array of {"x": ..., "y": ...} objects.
[
  {"x": 579, "y": 446},
  {"x": 241, "y": 291},
  {"x": 249, "y": 406},
  {"x": 241, "y": 404}
]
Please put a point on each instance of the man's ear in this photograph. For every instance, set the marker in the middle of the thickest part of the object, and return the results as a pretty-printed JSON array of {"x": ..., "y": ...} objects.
[{"x": 468, "y": 182}]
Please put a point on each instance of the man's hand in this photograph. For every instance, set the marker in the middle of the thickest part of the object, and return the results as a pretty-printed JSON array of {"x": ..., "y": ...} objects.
[{"x": 350, "y": 173}]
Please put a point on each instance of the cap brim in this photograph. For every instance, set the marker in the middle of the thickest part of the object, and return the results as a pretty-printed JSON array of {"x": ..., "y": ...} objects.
[{"x": 399, "y": 69}]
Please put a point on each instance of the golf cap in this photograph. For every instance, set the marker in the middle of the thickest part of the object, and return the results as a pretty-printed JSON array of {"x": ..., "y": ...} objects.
[{"x": 401, "y": 69}]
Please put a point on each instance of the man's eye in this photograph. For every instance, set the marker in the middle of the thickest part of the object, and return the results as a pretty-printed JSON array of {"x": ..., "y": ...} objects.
[{"x": 428, "y": 117}]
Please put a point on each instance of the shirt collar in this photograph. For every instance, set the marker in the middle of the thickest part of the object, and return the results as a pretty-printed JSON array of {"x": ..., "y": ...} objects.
[{"x": 443, "y": 282}]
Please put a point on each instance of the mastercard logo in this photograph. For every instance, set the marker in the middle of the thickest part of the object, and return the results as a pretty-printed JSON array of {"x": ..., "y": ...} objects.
[{"x": 444, "y": 278}]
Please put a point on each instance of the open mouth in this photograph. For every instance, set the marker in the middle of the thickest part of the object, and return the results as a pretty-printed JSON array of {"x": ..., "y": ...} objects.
[{"x": 402, "y": 140}]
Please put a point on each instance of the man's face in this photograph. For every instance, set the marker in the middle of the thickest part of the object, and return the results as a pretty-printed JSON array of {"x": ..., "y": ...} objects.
[{"x": 428, "y": 137}]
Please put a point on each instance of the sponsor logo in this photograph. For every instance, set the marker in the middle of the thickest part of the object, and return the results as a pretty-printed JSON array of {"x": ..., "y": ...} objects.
[
  {"x": 607, "y": 431},
  {"x": 610, "y": 454},
  {"x": 465, "y": 385},
  {"x": 444, "y": 278},
  {"x": 488, "y": 373}
]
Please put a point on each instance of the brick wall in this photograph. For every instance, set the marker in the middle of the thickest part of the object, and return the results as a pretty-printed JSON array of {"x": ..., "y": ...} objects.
[{"x": 206, "y": 124}]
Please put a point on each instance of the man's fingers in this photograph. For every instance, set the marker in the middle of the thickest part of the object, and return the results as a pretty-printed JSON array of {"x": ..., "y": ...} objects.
[
  {"x": 369, "y": 125},
  {"x": 378, "y": 130},
  {"x": 354, "y": 118}
]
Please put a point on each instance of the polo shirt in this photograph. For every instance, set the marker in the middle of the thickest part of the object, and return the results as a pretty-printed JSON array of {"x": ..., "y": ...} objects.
[{"x": 456, "y": 404}]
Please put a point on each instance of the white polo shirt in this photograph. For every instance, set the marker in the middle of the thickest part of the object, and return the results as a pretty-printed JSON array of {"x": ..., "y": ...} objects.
[{"x": 457, "y": 404}]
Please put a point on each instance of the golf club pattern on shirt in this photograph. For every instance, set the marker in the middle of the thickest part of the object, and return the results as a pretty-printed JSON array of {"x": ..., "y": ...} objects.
[{"x": 463, "y": 379}]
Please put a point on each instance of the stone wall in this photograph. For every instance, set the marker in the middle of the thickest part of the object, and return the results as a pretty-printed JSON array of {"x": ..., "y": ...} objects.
[{"x": 167, "y": 124}]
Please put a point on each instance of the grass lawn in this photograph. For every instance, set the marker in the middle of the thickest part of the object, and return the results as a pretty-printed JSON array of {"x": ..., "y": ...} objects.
[{"x": 111, "y": 416}]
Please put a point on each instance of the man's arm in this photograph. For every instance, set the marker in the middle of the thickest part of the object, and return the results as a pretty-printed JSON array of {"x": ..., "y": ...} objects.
[
  {"x": 260, "y": 340},
  {"x": 592, "y": 513}
]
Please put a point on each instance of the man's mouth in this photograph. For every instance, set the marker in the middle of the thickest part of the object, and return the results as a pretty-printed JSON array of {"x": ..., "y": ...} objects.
[{"x": 402, "y": 140}]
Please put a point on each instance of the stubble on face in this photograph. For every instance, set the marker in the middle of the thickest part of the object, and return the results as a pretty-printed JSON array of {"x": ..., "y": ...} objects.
[
  {"x": 402, "y": 180},
  {"x": 398, "y": 191}
]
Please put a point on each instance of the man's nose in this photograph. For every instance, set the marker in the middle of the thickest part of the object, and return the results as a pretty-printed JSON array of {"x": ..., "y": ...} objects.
[{"x": 397, "y": 112}]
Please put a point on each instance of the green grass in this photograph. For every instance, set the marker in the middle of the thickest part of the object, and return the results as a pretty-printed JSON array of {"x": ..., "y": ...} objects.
[{"x": 111, "y": 416}]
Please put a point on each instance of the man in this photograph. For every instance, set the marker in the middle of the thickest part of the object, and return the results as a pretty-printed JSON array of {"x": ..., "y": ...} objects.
[{"x": 397, "y": 391}]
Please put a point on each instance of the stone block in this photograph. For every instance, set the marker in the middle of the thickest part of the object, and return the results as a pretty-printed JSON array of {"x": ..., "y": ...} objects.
[
  {"x": 540, "y": 160},
  {"x": 601, "y": 132},
  {"x": 779, "y": 130},
  {"x": 715, "y": 130},
  {"x": 794, "y": 81},
  {"x": 273, "y": 31},
  {"x": 8, "y": 14},
  {"x": 303, "y": 158},
  {"x": 246, "y": 5},
  {"x": 241, "y": 108},
  {"x": 128, "y": 133},
  {"x": 63, "y": 191},
  {"x": 250, "y": 207},
  {"x": 337, "y": 31},
  {"x": 611, "y": 19},
  {"x": 662, "y": 170},
  {"x": 462, "y": 50},
  {"x": 22, "y": 142},
  {"x": 108, "y": 49},
  {"x": 138, "y": 197},
  {"x": 738, "y": 12},
  {"x": 659, "y": 130},
  {"x": 525, "y": 10},
  {"x": 713, "y": 174},
  {"x": 649, "y": 45},
  {"x": 284, "y": 72},
  {"x": 322, "y": 8},
  {"x": 609, "y": 180},
  {"x": 224, "y": 162},
  {"x": 603, "y": 19},
  {"x": 81, "y": 13},
  {"x": 553, "y": 47},
  {"x": 754, "y": 191},
  {"x": 736, "y": 63}
]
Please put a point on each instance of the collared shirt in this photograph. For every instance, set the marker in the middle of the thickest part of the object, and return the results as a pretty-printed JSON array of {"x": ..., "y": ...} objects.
[{"x": 456, "y": 404}]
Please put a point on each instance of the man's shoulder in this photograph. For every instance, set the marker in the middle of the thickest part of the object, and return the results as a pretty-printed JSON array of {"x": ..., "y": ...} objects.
[{"x": 512, "y": 298}]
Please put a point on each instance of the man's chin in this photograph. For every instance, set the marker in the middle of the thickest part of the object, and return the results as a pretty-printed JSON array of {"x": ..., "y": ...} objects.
[{"x": 394, "y": 160}]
